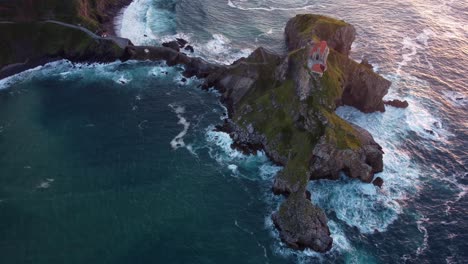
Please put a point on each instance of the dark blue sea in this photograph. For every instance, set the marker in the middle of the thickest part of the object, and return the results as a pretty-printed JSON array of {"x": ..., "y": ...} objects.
[{"x": 120, "y": 163}]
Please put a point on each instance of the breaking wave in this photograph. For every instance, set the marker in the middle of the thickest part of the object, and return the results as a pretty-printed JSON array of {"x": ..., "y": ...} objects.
[{"x": 144, "y": 22}]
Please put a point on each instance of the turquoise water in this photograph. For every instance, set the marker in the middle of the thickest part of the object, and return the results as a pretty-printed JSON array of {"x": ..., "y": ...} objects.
[{"x": 88, "y": 174}]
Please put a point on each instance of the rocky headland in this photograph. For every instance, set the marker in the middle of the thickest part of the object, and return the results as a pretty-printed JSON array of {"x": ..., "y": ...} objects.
[{"x": 275, "y": 104}]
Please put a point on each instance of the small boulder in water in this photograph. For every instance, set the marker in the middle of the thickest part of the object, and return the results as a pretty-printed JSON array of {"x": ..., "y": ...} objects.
[
  {"x": 378, "y": 182},
  {"x": 397, "y": 103},
  {"x": 429, "y": 131},
  {"x": 183, "y": 80},
  {"x": 172, "y": 45},
  {"x": 189, "y": 48}
]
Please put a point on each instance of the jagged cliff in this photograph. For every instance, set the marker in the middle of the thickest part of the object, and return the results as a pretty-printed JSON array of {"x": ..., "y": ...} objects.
[{"x": 274, "y": 102}]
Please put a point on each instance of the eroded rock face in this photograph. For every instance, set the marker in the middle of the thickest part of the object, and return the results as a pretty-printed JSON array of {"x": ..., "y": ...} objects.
[
  {"x": 328, "y": 160},
  {"x": 364, "y": 89}
]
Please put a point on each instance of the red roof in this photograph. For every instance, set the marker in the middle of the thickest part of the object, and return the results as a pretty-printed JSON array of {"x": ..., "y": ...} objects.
[
  {"x": 318, "y": 68},
  {"x": 321, "y": 47}
]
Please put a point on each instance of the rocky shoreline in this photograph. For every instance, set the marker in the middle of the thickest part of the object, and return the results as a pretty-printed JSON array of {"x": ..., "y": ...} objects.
[{"x": 275, "y": 104}]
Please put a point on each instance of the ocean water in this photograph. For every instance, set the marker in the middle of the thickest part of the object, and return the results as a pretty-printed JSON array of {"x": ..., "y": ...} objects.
[{"x": 119, "y": 163}]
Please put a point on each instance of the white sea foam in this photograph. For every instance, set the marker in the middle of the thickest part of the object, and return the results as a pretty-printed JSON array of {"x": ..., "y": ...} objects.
[
  {"x": 45, "y": 184},
  {"x": 223, "y": 141},
  {"x": 257, "y": 166},
  {"x": 220, "y": 50},
  {"x": 144, "y": 24},
  {"x": 269, "y": 9},
  {"x": 22, "y": 76},
  {"x": 363, "y": 205},
  {"x": 123, "y": 80},
  {"x": 423, "y": 230},
  {"x": 232, "y": 167},
  {"x": 133, "y": 23},
  {"x": 411, "y": 47},
  {"x": 456, "y": 98},
  {"x": 178, "y": 141}
]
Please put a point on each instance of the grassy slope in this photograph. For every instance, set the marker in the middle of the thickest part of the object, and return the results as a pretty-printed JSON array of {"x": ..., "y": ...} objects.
[
  {"x": 89, "y": 13},
  {"x": 317, "y": 27},
  {"x": 34, "y": 40}
]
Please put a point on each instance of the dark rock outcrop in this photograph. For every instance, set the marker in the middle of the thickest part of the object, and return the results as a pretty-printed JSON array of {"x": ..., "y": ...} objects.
[
  {"x": 26, "y": 45},
  {"x": 181, "y": 42},
  {"x": 172, "y": 45},
  {"x": 96, "y": 15},
  {"x": 378, "y": 182},
  {"x": 189, "y": 48},
  {"x": 303, "y": 225},
  {"x": 397, "y": 103},
  {"x": 363, "y": 88}
]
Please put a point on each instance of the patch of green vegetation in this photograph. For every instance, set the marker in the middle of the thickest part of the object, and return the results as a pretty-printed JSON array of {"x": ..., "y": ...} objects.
[
  {"x": 329, "y": 86},
  {"x": 341, "y": 133},
  {"x": 89, "y": 13},
  {"x": 317, "y": 26},
  {"x": 273, "y": 116},
  {"x": 30, "y": 41}
]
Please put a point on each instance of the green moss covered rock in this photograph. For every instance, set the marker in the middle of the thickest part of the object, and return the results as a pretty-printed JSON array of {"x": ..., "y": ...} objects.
[{"x": 24, "y": 43}]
